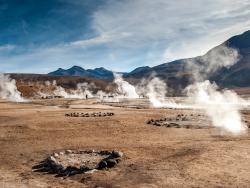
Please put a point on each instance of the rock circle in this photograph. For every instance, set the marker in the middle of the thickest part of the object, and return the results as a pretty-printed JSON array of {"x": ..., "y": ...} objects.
[
  {"x": 189, "y": 121},
  {"x": 89, "y": 114},
  {"x": 69, "y": 162}
]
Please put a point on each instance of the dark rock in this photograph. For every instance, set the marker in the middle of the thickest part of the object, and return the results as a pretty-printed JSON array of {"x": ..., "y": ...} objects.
[
  {"x": 149, "y": 121},
  {"x": 103, "y": 164},
  {"x": 116, "y": 154},
  {"x": 111, "y": 163}
]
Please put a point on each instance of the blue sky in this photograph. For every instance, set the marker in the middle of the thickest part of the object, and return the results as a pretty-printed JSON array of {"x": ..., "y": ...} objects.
[{"x": 40, "y": 36}]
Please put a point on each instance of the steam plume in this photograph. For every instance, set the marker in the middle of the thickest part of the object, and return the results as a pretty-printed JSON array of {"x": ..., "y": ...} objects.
[
  {"x": 82, "y": 91},
  {"x": 221, "y": 106},
  {"x": 125, "y": 89},
  {"x": 202, "y": 67},
  {"x": 8, "y": 89},
  {"x": 156, "y": 91}
]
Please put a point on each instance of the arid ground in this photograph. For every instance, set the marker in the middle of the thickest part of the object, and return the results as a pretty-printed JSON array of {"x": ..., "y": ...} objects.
[{"x": 153, "y": 156}]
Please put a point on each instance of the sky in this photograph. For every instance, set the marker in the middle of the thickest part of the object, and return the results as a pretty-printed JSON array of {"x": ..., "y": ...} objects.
[{"x": 39, "y": 36}]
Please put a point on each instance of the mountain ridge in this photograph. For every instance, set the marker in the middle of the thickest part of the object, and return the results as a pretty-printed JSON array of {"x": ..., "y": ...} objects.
[
  {"x": 175, "y": 73},
  {"x": 98, "y": 73}
]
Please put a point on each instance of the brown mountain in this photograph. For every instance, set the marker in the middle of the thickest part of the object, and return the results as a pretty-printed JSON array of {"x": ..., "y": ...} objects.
[{"x": 178, "y": 76}]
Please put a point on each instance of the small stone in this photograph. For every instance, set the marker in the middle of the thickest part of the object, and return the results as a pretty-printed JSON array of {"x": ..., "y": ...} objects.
[
  {"x": 103, "y": 164},
  {"x": 149, "y": 121},
  {"x": 84, "y": 168},
  {"x": 56, "y": 155},
  {"x": 51, "y": 158},
  {"x": 111, "y": 163},
  {"x": 116, "y": 154},
  {"x": 157, "y": 124},
  {"x": 68, "y": 151}
]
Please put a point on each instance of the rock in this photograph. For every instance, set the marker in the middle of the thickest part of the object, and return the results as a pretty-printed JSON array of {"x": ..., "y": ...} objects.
[
  {"x": 174, "y": 125},
  {"x": 52, "y": 159},
  {"x": 111, "y": 163},
  {"x": 116, "y": 154},
  {"x": 104, "y": 152},
  {"x": 149, "y": 121},
  {"x": 84, "y": 168},
  {"x": 56, "y": 155},
  {"x": 68, "y": 151},
  {"x": 53, "y": 164},
  {"x": 71, "y": 170},
  {"x": 103, "y": 164},
  {"x": 156, "y": 124}
]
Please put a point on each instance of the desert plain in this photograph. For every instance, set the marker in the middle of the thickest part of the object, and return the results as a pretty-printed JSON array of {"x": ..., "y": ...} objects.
[{"x": 154, "y": 156}]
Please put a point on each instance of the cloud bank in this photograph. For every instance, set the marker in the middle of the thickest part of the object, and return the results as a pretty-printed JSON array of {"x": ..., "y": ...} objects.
[{"x": 129, "y": 33}]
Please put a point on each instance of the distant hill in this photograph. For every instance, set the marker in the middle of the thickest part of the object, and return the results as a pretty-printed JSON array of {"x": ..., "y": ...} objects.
[{"x": 98, "y": 73}]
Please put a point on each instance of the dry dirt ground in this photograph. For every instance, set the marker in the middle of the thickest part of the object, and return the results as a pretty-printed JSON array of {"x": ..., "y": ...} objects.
[{"x": 154, "y": 156}]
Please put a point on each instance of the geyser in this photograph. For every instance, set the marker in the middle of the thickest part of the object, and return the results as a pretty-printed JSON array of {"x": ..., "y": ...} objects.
[
  {"x": 125, "y": 89},
  {"x": 8, "y": 89},
  {"x": 221, "y": 106}
]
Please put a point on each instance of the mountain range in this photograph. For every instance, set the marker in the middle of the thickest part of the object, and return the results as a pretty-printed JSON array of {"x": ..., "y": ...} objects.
[
  {"x": 175, "y": 73},
  {"x": 98, "y": 73}
]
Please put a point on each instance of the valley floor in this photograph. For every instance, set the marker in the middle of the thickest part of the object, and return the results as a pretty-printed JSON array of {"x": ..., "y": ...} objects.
[{"x": 154, "y": 156}]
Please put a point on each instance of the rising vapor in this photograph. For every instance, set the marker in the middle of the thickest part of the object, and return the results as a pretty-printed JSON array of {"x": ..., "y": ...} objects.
[{"x": 8, "y": 89}]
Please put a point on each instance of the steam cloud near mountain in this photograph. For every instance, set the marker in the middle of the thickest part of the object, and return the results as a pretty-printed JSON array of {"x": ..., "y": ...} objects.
[{"x": 222, "y": 107}]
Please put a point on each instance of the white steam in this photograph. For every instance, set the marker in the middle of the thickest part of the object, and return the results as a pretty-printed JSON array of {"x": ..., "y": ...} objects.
[
  {"x": 125, "y": 89},
  {"x": 218, "y": 57},
  {"x": 86, "y": 90},
  {"x": 81, "y": 92},
  {"x": 221, "y": 106},
  {"x": 8, "y": 89},
  {"x": 156, "y": 91}
]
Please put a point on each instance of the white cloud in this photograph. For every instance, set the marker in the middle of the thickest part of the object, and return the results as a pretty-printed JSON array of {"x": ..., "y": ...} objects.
[
  {"x": 180, "y": 28},
  {"x": 132, "y": 33},
  {"x": 104, "y": 38},
  {"x": 7, "y": 47}
]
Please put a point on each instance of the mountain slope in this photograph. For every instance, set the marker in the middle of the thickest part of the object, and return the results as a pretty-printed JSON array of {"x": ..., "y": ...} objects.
[{"x": 178, "y": 76}]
